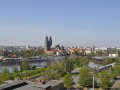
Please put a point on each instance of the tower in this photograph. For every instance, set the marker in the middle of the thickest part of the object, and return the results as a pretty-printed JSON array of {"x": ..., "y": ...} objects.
[
  {"x": 48, "y": 43},
  {"x": 50, "y": 40}
]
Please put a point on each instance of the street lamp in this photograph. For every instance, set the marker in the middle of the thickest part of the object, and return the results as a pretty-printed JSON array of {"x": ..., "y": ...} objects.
[{"x": 93, "y": 82}]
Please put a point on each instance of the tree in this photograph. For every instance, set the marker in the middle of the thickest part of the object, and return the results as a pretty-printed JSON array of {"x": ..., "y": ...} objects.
[
  {"x": 85, "y": 78},
  {"x": 99, "y": 53},
  {"x": 24, "y": 74},
  {"x": 78, "y": 63},
  {"x": 84, "y": 60},
  {"x": 54, "y": 71},
  {"x": 16, "y": 75},
  {"x": 108, "y": 61},
  {"x": 69, "y": 64},
  {"x": 5, "y": 71},
  {"x": 29, "y": 73},
  {"x": 104, "y": 80},
  {"x": 1, "y": 81},
  {"x": 6, "y": 75},
  {"x": 117, "y": 68},
  {"x": 6, "y": 54},
  {"x": 55, "y": 75},
  {"x": 33, "y": 67},
  {"x": 73, "y": 57},
  {"x": 68, "y": 80},
  {"x": 62, "y": 65},
  {"x": 114, "y": 74},
  {"x": 15, "y": 68},
  {"x": 25, "y": 65}
]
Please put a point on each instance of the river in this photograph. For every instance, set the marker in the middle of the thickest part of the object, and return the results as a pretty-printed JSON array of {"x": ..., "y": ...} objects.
[{"x": 10, "y": 67}]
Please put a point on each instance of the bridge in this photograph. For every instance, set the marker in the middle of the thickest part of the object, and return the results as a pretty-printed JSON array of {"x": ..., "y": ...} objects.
[{"x": 18, "y": 61}]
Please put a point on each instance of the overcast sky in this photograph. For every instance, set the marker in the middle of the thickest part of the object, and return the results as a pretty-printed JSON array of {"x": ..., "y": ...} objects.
[{"x": 69, "y": 22}]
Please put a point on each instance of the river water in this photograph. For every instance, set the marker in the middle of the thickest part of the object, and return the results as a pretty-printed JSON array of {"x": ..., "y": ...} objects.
[{"x": 10, "y": 67}]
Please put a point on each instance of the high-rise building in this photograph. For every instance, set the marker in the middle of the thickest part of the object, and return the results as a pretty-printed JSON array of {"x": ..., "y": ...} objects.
[{"x": 48, "y": 43}]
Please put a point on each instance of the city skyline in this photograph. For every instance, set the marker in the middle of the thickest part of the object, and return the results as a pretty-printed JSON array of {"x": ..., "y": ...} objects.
[{"x": 70, "y": 23}]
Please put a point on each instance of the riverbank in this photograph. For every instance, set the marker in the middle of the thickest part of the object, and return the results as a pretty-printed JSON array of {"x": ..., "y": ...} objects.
[{"x": 27, "y": 74}]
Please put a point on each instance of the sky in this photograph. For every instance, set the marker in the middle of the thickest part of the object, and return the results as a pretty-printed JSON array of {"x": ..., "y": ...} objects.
[{"x": 69, "y": 22}]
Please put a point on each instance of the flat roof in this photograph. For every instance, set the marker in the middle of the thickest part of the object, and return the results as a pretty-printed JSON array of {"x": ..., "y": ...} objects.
[
  {"x": 54, "y": 82},
  {"x": 47, "y": 84},
  {"x": 26, "y": 87},
  {"x": 7, "y": 86}
]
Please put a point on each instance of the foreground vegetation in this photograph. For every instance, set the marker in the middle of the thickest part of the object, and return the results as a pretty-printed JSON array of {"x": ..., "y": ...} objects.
[
  {"x": 62, "y": 70},
  {"x": 26, "y": 74}
]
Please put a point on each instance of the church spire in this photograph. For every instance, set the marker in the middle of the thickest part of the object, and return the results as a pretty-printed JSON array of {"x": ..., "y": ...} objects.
[{"x": 50, "y": 40}]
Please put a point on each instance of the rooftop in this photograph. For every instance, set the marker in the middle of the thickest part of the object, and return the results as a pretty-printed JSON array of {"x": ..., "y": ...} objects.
[
  {"x": 51, "y": 83},
  {"x": 93, "y": 65},
  {"x": 117, "y": 83},
  {"x": 27, "y": 87},
  {"x": 11, "y": 84}
]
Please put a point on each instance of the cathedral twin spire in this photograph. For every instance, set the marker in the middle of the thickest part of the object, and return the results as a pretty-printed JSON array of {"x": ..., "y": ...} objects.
[{"x": 48, "y": 42}]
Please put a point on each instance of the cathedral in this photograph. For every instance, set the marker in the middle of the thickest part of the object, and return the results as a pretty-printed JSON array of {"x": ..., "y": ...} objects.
[
  {"x": 54, "y": 50},
  {"x": 48, "y": 43}
]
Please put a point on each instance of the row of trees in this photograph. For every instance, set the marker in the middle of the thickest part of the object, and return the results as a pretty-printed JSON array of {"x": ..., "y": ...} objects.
[
  {"x": 26, "y": 74},
  {"x": 85, "y": 79},
  {"x": 29, "y": 53},
  {"x": 24, "y": 53},
  {"x": 5, "y": 75},
  {"x": 80, "y": 61},
  {"x": 84, "y": 60}
]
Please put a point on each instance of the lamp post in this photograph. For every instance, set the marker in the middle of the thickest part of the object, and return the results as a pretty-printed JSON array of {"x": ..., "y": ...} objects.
[{"x": 93, "y": 82}]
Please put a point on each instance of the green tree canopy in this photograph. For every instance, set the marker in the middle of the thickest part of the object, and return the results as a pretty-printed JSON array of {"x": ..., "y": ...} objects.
[
  {"x": 68, "y": 81},
  {"x": 108, "y": 61},
  {"x": 15, "y": 68},
  {"x": 117, "y": 68},
  {"x": 25, "y": 65},
  {"x": 104, "y": 80},
  {"x": 5, "y": 71},
  {"x": 114, "y": 74},
  {"x": 69, "y": 64},
  {"x": 85, "y": 78}
]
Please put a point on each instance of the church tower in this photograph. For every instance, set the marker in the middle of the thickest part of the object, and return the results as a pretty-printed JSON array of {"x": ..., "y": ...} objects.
[
  {"x": 48, "y": 43},
  {"x": 50, "y": 40}
]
